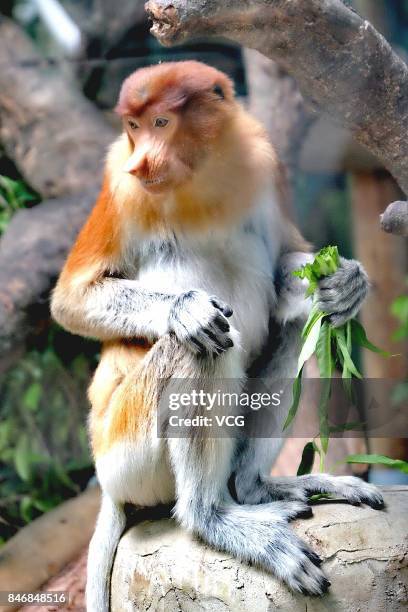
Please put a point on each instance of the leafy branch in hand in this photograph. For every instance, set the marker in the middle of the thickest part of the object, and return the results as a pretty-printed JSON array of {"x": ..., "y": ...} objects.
[{"x": 332, "y": 347}]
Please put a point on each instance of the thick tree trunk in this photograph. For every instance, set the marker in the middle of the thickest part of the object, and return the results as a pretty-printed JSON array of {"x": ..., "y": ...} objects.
[
  {"x": 160, "y": 567},
  {"x": 340, "y": 62}
]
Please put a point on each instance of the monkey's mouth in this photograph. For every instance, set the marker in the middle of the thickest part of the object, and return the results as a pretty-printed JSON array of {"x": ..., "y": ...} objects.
[
  {"x": 155, "y": 181},
  {"x": 156, "y": 184}
]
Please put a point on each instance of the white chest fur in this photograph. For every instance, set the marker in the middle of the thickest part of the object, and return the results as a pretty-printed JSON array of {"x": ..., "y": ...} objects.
[{"x": 237, "y": 267}]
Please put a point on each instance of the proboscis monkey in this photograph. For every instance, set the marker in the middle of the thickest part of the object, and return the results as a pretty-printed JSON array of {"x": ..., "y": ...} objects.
[{"x": 183, "y": 270}]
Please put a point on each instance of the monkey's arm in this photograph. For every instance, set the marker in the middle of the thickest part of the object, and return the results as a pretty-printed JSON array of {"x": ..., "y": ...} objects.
[
  {"x": 108, "y": 308},
  {"x": 341, "y": 294},
  {"x": 111, "y": 308},
  {"x": 92, "y": 297}
]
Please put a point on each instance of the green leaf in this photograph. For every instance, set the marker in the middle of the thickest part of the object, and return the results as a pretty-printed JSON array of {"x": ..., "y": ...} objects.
[
  {"x": 320, "y": 452},
  {"x": 307, "y": 461},
  {"x": 326, "y": 262},
  {"x": 349, "y": 342},
  {"x": 22, "y": 461},
  {"x": 359, "y": 336},
  {"x": 309, "y": 344},
  {"x": 32, "y": 396},
  {"x": 323, "y": 413},
  {"x": 26, "y": 506},
  {"x": 318, "y": 496},
  {"x": 314, "y": 315},
  {"x": 341, "y": 342},
  {"x": 297, "y": 389},
  {"x": 63, "y": 477},
  {"x": 323, "y": 351},
  {"x": 43, "y": 505},
  {"x": 80, "y": 367},
  {"x": 397, "y": 464},
  {"x": 346, "y": 427},
  {"x": 399, "y": 308}
]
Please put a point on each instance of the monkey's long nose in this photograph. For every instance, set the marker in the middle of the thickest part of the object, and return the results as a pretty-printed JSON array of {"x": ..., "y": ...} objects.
[{"x": 138, "y": 163}]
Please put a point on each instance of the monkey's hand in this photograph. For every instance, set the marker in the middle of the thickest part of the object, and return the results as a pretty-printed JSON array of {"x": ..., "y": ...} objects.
[
  {"x": 200, "y": 322},
  {"x": 342, "y": 293}
]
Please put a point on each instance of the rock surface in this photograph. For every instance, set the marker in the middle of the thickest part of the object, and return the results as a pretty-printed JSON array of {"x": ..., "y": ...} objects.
[{"x": 161, "y": 568}]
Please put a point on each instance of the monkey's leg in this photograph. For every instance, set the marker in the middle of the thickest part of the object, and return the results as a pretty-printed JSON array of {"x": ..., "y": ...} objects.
[
  {"x": 262, "y": 488},
  {"x": 128, "y": 457},
  {"x": 109, "y": 528},
  {"x": 256, "y": 534},
  {"x": 132, "y": 463},
  {"x": 253, "y": 483}
]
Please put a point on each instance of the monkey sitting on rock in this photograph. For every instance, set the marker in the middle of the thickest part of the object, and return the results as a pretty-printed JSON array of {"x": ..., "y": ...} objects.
[{"x": 182, "y": 267}]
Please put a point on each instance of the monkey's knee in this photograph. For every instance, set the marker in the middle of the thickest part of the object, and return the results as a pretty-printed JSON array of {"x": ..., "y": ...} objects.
[{"x": 170, "y": 357}]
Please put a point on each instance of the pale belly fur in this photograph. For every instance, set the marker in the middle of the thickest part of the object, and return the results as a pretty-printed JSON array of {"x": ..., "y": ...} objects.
[{"x": 137, "y": 472}]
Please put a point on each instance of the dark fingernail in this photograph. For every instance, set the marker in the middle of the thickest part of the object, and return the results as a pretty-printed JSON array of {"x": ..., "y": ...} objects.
[
  {"x": 223, "y": 325},
  {"x": 229, "y": 342},
  {"x": 325, "y": 584},
  {"x": 314, "y": 558},
  {"x": 228, "y": 312},
  {"x": 306, "y": 513}
]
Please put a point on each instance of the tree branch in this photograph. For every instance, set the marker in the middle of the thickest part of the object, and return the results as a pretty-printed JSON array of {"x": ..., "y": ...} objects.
[
  {"x": 341, "y": 63},
  {"x": 32, "y": 252},
  {"x": 53, "y": 134},
  {"x": 58, "y": 141}
]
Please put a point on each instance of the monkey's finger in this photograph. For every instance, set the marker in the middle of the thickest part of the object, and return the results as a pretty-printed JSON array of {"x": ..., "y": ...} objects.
[
  {"x": 223, "y": 306},
  {"x": 213, "y": 342},
  {"x": 196, "y": 346},
  {"x": 223, "y": 340},
  {"x": 314, "y": 558},
  {"x": 221, "y": 322}
]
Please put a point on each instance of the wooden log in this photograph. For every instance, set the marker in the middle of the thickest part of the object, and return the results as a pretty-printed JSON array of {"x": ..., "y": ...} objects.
[{"x": 48, "y": 544}]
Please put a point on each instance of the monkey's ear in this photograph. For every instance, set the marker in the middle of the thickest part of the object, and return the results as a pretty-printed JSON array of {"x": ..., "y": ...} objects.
[{"x": 218, "y": 90}]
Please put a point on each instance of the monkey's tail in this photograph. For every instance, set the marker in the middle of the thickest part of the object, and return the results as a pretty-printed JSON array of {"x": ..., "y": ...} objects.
[{"x": 109, "y": 528}]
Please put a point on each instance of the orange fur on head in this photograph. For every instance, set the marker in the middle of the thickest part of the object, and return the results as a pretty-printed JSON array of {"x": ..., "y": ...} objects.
[
  {"x": 170, "y": 86},
  {"x": 214, "y": 156}
]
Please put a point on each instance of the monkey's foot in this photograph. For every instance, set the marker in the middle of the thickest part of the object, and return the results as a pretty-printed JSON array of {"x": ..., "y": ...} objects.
[
  {"x": 300, "y": 488},
  {"x": 291, "y": 560}
]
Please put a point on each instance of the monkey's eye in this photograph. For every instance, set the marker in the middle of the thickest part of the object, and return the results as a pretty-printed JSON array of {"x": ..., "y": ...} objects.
[
  {"x": 160, "y": 122},
  {"x": 132, "y": 124}
]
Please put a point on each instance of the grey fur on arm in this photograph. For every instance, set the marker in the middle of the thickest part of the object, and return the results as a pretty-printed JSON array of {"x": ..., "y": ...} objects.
[{"x": 115, "y": 308}]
